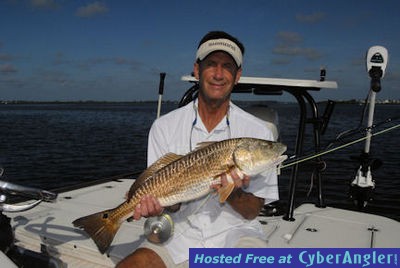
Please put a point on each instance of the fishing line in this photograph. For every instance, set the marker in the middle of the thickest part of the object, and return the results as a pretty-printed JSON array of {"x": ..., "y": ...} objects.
[
  {"x": 309, "y": 157},
  {"x": 355, "y": 130},
  {"x": 364, "y": 111},
  {"x": 349, "y": 134},
  {"x": 358, "y": 130}
]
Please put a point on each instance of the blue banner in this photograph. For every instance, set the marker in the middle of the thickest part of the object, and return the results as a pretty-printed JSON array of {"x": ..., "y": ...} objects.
[{"x": 294, "y": 257}]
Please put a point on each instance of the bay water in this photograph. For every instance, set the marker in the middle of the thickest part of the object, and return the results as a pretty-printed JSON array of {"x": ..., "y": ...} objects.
[{"x": 54, "y": 145}]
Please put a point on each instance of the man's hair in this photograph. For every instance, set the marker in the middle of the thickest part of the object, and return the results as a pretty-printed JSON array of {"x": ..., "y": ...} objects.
[{"x": 221, "y": 34}]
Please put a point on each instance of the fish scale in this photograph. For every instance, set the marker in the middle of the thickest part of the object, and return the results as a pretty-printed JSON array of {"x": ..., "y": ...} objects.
[{"x": 175, "y": 179}]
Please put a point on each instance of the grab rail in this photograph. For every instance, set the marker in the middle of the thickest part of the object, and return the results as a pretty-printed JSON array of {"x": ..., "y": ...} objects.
[{"x": 24, "y": 191}]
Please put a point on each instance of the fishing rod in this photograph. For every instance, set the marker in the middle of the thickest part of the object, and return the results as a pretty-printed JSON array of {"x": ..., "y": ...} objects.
[
  {"x": 160, "y": 93},
  {"x": 349, "y": 133},
  {"x": 293, "y": 161}
]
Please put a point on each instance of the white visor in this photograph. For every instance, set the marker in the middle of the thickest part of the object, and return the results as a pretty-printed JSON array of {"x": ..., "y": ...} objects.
[{"x": 222, "y": 44}]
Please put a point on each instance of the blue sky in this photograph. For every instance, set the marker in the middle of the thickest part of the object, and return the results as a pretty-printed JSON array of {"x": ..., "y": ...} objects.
[{"x": 114, "y": 50}]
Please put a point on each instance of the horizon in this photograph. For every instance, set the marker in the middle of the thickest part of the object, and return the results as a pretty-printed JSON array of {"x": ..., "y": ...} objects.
[{"x": 5, "y": 102}]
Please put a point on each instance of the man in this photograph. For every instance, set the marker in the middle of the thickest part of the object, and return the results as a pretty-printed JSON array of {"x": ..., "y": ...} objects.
[{"x": 211, "y": 117}]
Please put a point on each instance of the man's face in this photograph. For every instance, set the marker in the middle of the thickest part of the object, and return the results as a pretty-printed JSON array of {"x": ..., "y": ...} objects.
[{"x": 217, "y": 74}]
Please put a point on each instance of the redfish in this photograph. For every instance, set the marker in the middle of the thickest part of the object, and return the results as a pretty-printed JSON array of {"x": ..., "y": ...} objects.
[{"x": 175, "y": 179}]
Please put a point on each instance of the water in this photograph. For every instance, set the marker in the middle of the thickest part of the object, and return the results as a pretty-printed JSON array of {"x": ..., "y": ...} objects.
[{"x": 55, "y": 145}]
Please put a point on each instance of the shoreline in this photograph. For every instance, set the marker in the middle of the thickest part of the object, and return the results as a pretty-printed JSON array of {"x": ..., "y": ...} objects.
[{"x": 7, "y": 102}]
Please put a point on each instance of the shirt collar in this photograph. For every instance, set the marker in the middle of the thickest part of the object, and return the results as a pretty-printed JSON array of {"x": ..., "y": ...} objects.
[{"x": 198, "y": 123}]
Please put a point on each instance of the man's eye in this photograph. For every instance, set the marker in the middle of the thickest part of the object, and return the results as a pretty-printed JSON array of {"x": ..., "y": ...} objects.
[{"x": 229, "y": 66}]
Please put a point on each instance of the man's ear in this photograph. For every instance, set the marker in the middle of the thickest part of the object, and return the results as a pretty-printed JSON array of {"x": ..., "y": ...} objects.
[
  {"x": 196, "y": 70},
  {"x": 238, "y": 75}
]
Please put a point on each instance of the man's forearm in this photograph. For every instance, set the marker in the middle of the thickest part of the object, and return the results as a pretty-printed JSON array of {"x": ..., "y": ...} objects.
[{"x": 246, "y": 204}]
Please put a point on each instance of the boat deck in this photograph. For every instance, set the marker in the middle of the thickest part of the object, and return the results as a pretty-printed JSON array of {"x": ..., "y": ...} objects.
[{"x": 48, "y": 227}]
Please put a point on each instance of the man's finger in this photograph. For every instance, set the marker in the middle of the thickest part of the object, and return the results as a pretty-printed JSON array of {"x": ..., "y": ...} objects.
[
  {"x": 143, "y": 205},
  {"x": 235, "y": 178},
  {"x": 137, "y": 214},
  {"x": 246, "y": 181}
]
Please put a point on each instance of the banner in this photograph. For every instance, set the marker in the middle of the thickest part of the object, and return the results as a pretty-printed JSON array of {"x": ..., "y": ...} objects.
[{"x": 294, "y": 257}]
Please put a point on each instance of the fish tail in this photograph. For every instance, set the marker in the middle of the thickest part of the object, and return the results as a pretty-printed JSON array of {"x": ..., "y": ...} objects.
[{"x": 101, "y": 227}]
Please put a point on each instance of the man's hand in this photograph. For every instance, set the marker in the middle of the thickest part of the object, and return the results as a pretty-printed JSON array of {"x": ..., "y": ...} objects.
[
  {"x": 148, "y": 207},
  {"x": 236, "y": 176},
  {"x": 246, "y": 204},
  {"x": 240, "y": 179}
]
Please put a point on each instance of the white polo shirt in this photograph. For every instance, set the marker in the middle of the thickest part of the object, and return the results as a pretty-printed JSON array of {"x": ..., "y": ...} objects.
[{"x": 206, "y": 222}]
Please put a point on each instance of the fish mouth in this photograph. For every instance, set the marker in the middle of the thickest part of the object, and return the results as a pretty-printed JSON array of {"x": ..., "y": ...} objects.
[
  {"x": 282, "y": 158},
  {"x": 281, "y": 148}
]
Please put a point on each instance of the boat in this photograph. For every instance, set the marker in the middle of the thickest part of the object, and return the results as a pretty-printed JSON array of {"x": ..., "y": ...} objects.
[{"x": 40, "y": 231}]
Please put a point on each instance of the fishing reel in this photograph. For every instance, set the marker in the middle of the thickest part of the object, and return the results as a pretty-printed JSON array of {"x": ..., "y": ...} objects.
[{"x": 159, "y": 229}]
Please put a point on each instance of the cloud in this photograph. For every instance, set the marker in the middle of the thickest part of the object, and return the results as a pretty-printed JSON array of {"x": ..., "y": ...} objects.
[
  {"x": 290, "y": 44},
  {"x": 6, "y": 57},
  {"x": 120, "y": 61},
  {"x": 393, "y": 75},
  {"x": 281, "y": 61},
  {"x": 289, "y": 38},
  {"x": 91, "y": 10},
  {"x": 129, "y": 62},
  {"x": 311, "y": 18},
  {"x": 360, "y": 61},
  {"x": 59, "y": 59},
  {"x": 56, "y": 77},
  {"x": 309, "y": 53},
  {"x": 7, "y": 68},
  {"x": 44, "y": 4}
]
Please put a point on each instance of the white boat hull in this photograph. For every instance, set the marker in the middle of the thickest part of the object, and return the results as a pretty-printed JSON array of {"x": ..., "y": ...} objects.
[{"x": 49, "y": 227}]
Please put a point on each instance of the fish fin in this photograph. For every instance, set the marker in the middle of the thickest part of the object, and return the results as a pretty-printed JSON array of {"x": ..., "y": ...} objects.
[
  {"x": 225, "y": 191},
  {"x": 203, "y": 144},
  {"x": 101, "y": 227},
  {"x": 148, "y": 173},
  {"x": 159, "y": 164},
  {"x": 166, "y": 159}
]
